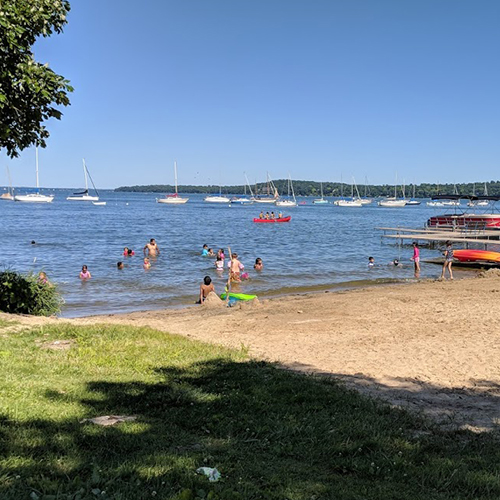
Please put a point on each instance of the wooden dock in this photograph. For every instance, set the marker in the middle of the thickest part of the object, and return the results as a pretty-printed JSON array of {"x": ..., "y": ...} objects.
[{"x": 434, "y": 237}]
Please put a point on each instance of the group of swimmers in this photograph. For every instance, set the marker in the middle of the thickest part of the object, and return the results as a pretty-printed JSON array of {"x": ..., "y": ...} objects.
[
  {"x": 235, "y": 266},
  {"x": 270, "y": 216}
]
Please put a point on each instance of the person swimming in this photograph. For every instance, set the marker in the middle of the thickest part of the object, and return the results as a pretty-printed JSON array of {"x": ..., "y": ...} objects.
[
  {"x": 259, "y": 265},
  {"x": 219, "y": 264},
  {"x": 85, "y": 273},
  {"x": 204, "y": 252},
  {"x": 147, "y": 264},
  {"x": 128, "y": 252},
  {"x": 119, "y": 265},
  {"x": 42, "y": 278},
  {"x": 151, "y": 248},
  {"x": 371, "y": 261}
]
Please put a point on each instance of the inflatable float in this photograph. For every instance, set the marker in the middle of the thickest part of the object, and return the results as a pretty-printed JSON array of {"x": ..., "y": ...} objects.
[
  {"x": 282, "y": 219},
  {"x": 476, "y": 255},
  {"x": 238, "y": 296}
]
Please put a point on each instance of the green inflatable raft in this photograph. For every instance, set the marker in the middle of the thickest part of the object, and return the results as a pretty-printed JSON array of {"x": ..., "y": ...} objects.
[{"x": 238, "y": 296}]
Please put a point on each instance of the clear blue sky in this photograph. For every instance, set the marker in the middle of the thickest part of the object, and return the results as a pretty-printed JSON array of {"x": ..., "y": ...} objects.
[{"x": 315, "y": 88}]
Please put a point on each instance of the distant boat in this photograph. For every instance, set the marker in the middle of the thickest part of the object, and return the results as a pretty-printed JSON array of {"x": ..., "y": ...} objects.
[
  {"x": 288, "y": 202},
  {"x": 353, "y": 201},
  {"x": 173, "y": 199},
  {"x": 35, "y": 197},
  {"x": 243, "y": 200},
  {"x": 366, "y": 200},
  {"x": 272, "y": 193},
  {"x": 217, "y": 199},
  {"x": 9, "y": 195},
  {"x": 84, "y": 195},
  {"x": 320, "y": 201},
  {"x": 484, "y": 203},
  {"x": 393, "y": 202},
  {"x": 413, "y": 201}
]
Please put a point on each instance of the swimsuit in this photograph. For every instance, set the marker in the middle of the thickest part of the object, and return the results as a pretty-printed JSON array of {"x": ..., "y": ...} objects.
[{"x": 84, "y": 275}]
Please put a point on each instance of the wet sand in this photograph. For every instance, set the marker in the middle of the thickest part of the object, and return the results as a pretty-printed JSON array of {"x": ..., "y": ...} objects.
[{"x": 432, "y": 346}]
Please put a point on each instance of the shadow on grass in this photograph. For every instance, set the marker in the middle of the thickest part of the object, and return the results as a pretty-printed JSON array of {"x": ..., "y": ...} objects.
[
  {"x": 476, "y": 408},
  {"x": 273, "y": 434}
]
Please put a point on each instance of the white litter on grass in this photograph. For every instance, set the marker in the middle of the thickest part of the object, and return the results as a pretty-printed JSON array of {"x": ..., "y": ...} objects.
[
  {"x": 107, "y": 420},
  {"x": 212, "y": 473}
]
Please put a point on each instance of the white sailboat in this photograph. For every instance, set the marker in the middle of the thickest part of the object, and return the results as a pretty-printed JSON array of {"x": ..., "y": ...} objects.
[
  {"x": 393, "y": 202},
  {"x": 244, "y": 200},
  {"x": 351, "y": 202},
  {"x": 84, "y": 195},
  {"x": 287, "y": 202},
  {"x": 320, "y": 201},
  {"x": 483, "y": 203},
  {"x": 217, "y": 199},
  {"x": 173, "y": 199},
  {"x": 9, "y": 195},
  {"x": 413, "y": 201},
  {"x": 35, "y": 197},
  {"x": 366, "y": 200}
]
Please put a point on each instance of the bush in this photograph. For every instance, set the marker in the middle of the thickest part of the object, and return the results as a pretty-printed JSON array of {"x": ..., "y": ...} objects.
[{"x": 26, "y": 294}]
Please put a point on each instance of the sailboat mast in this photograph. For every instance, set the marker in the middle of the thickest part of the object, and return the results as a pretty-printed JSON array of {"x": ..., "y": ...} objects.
[
  {"x": 85, "y": 176},
  {"x": 175, "y": 175},
  {"x": 37, "y": 182}
]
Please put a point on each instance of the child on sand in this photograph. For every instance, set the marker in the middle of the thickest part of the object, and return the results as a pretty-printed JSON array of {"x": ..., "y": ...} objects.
[
  {"x": 85, "y": 273},
  {"x": 235, "y": 267},
  {"x": 448, "y": 260},
  {"x": 205, "y": 288},
  {"x": 147, "y": 264},
  {"x": 259, "y": 265}
]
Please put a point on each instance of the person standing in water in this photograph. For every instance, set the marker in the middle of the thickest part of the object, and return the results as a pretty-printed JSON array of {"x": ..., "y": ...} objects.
[
  {"x": 85, "y": 273},
  {"x": 151, "y": 249},
  {"x": 448, "y": 260},
  {"x": 416, "y": 258}
]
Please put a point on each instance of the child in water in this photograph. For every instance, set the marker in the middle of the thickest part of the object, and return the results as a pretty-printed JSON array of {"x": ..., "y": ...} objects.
[
  {"x": 205, "y": 288},
  {"x": 219, "y": 264},
  {"x": 204, "y": 252},
  {"x": 119, "y": 265},
  {"x": 85, "y": 273},
  {"x": 211, "y": 253},
  {"x": 371, "y": 262},
  {"x": 42, "y": 278},
  {"x": 259, "y": 265},
  {"x": 128, "y": 252},
  {"x": 220, "y": 254},
  {"x": 235, "y": 267},
  {"x": 147, "y": 264}
]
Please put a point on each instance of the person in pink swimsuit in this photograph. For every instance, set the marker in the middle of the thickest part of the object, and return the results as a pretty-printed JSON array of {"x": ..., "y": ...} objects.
[
  {"x": 85, "y": 273},
  {"x": 416, "y": 257}
]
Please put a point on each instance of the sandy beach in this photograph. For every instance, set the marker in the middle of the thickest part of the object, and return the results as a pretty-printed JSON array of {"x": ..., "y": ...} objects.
[{"x": 432, "y": 346}]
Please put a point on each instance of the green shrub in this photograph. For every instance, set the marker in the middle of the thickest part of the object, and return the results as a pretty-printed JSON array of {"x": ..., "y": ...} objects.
[{"x": 26, "y": 294}]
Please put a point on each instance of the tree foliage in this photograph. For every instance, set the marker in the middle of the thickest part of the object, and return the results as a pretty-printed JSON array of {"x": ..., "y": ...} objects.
[
  {"x": 29, "y": 90},
  {"x": 313, "y": 188}
]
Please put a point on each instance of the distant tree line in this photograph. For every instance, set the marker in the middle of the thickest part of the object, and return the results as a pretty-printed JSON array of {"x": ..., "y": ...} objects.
[{"x": 313, "y": 188}]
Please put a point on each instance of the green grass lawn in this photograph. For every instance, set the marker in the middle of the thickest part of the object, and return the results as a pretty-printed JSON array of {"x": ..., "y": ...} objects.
[{"x": 272, "y": 434}]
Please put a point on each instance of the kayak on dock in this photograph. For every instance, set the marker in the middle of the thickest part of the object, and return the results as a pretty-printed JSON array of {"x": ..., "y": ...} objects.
[
  {"x": 476, "y": 255},
  {"x": 281, "y": 219}
]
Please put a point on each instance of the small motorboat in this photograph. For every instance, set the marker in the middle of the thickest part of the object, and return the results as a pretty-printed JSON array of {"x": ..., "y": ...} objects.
[{"x": 279, "y": 219}]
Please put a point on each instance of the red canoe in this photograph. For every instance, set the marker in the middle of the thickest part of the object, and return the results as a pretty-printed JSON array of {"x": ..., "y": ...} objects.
[{"x": 283, "y": 219}]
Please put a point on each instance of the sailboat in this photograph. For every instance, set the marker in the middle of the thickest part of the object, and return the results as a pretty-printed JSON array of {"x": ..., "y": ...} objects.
[
  {"x": 84, "y": 195},
  {"x": 243, "y": 200},
  {"x": 320, "y": 201},
  {"x": 287, "y": 202},
  {"x": 217, "y": 199},
  {"x": 35, "y": 197},
  {"x": 272, "y": 193},
  {"x": 173, "y": 199},
  {"x": 9, "y": 195},
  {"x": 393, "y": 202},
  {"x": 413, "y": 201},
  {"x": 484, "y": 203},
  {"x": 366, "y": 200},
  {"x": 352, "y": 202}
]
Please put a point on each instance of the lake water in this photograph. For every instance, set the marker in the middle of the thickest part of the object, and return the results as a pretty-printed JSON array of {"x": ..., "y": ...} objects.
[{"x": 322, "y": 247}]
